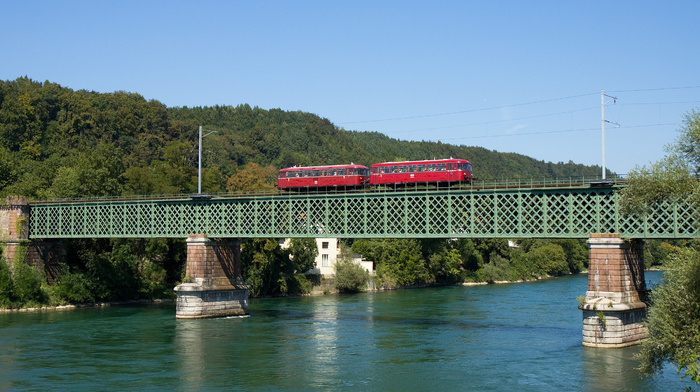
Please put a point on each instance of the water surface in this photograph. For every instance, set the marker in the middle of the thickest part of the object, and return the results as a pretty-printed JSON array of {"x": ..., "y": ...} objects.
[{"x": 510, "y": 337}]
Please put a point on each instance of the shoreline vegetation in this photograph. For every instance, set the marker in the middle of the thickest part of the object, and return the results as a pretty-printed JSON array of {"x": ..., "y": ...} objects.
[{"x": 73, "y": 306}]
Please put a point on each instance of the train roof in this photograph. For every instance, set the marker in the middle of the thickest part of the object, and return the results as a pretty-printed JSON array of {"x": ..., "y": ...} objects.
[
  {"x": 352, "y": 165},
  {"x": 422, "y": 162}
]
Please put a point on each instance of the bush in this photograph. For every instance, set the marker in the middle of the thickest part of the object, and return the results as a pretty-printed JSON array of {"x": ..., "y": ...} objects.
[
  {"x": 75, "y": 287},
  {"x": 153, "y": 280},
  {"x": 497, "y": 269},
  {"x": 27, "y": 283},
  {"x": 672, "y": 322},
  {"x": 549, "y": 259},
  {"x": 6, "y": 285},
  {"x": 350, "y": 277}
]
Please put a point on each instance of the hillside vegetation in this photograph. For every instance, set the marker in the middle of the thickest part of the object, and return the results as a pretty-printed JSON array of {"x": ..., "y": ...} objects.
[{"x": 57, "y": 143}]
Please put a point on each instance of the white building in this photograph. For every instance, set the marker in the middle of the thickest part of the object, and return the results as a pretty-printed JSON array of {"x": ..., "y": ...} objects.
[{"x": 328, "y": 252}]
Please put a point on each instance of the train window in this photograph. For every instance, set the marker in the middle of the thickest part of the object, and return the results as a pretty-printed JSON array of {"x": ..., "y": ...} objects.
[
  {"x": 441, "y": 166},
  {"x": 316, "y": 173},
  {"x": 385, "y": 169},
  {"x": 431, "y": 167},
  {"x": 451, "y": 166},
  {"x": 340, "y": 172},
  {"x": 469, "y": 167}
]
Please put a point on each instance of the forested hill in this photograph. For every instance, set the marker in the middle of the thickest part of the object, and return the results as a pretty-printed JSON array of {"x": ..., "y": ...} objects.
[{"x": 57, "y": 142}]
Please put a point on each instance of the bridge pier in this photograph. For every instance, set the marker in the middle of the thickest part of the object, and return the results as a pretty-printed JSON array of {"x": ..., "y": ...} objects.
[
  {"x": 45, "y": 255},
  {"x": 613, "y": 310},
  {"x": 214, "y": 286}
]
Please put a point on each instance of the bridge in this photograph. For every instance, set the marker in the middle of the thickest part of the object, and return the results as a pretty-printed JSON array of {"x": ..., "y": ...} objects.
[
  {"x": 214, "y": 225},
  {"x": 518, "y": 211}
]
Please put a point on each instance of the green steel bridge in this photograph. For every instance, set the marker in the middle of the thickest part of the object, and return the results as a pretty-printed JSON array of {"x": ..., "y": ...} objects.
[{"x": 515, "y": 210}]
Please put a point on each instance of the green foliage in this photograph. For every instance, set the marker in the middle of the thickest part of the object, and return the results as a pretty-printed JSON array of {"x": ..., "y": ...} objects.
[
  {"x": 548, "y": 259},
  {"x": 27, "y": 283},
  {"x": 601, "y": 318},
  {"x": 497, "y": 269},
  {"x": 6, "y": 285},
  {"x": 399, "y": 262},
  {"x": 57, "y": 142},
  {"x": 350, "y": 277},
  {"x": 269, "y": 269},
  {"x": 673, "y": 325},
  {"x": 304, "y": 252},
  {"x": 672, "y": 321},
  {"x": 74, "y": 287},
  {"x": 154, "y": 282}
]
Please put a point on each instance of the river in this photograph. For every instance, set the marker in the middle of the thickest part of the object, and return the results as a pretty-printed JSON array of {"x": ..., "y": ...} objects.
[{"x": 506, "y": 337}]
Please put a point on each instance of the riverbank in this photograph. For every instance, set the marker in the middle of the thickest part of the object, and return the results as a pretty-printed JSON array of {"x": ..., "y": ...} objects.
[{"x": 88, "y": 305}]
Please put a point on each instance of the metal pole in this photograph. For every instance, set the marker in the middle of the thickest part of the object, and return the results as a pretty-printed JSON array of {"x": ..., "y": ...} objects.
[
  {"x": 602, "y": 113},
  {"x": 199, "y": 172}
]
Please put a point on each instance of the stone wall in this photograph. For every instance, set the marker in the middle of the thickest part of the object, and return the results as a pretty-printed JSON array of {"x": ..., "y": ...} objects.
[
  {"x": 14, "y": 233},
  {"x": 613, "y": 309},
  {"x": 14, "y": 219},
  {"x": 214, "y": 287}
]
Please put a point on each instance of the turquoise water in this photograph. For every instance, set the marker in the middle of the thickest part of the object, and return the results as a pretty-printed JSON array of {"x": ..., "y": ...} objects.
[{"x": 511, "y": 337}]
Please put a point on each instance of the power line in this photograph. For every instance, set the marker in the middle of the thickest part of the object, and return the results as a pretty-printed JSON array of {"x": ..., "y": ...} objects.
[
  {"x": 654, "y": 89},
  {"x": 557, "y": 131},
  {"x": 497, "y": 121},
  {"x": 466, "y": 111},
  {"x": 658, "y": 103}
]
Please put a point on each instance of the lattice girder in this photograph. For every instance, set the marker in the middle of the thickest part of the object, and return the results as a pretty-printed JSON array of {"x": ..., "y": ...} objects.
[{"x": 558, "y": 213}]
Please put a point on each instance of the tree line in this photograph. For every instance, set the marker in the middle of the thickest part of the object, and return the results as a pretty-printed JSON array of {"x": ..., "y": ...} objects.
[{"x": 59, "y": 143}]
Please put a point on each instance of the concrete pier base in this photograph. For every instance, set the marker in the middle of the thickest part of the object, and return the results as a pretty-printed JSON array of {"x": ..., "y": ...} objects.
[
  {"x": 214, "y": 286},
  {"x": 613, "y": 310}
]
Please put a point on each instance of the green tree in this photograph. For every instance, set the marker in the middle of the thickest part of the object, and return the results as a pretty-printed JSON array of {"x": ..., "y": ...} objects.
[
  {"x": 350, "y": 277},
  {"x": 6, "y": 284},
  {"x": 672, "y": 325},
  {"x": 673, "y": 321},
  {"x": 548, "y": 259},
  {"x": 304, "y": 252}
]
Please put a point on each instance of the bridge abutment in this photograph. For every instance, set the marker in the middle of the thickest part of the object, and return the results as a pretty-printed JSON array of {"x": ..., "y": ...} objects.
[
  {"x": 214, "y": 286},
  {"x": 45, "y": 255},
  {"x": 614, "y": 309}
]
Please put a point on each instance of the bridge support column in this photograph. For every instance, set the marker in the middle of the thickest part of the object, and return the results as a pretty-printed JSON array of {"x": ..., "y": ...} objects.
[
  {"x": 214, "y": 287},
  {"x": 14, "y": 236},
  {"x": 614, "y": 309}
]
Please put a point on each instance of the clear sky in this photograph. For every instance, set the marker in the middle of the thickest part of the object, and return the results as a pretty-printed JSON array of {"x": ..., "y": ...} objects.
[{"x": 510, "y": 76}]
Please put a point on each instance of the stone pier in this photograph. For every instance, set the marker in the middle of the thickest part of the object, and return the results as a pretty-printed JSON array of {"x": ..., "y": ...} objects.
[
  {"x": 46, "y": 256},
  {"x": 214, "y": 287},
  {"x": 614, "y": 307}
]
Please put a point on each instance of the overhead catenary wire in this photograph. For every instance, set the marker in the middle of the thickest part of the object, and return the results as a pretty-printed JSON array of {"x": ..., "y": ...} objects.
[{"x": 523, "y": 104}]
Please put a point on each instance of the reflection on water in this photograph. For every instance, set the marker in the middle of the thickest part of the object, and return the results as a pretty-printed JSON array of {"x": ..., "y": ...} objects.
[{"x": 524, "y": 337}]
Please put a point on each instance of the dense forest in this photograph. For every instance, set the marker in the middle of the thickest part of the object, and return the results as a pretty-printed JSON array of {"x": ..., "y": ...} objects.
[{"x": 59, "y": 143}]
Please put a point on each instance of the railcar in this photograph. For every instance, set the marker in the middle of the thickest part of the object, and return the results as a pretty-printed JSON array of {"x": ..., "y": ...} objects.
[
  {"x": 428, "y": 171},
  {"x": 334, "y": 176}
]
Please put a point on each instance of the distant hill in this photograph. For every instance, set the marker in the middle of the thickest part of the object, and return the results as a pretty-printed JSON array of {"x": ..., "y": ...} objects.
[{"x": 57, "y": 142}]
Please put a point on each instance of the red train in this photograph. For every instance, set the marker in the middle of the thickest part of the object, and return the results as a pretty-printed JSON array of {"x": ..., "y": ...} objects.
[
  {"x": 429, "y": 171},
  {"x": 434, "y": 171},
  {"x": 323, "y": 176}
]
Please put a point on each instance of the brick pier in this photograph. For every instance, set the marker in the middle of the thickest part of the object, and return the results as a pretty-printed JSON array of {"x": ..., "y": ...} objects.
[
  {"x": 215, "y": 287},
  {"x": 614, "y": 309},
  {"x": 14, "y": 234}
]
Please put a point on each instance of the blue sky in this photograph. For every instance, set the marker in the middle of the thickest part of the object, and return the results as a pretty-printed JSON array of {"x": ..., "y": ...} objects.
[{"x": 510, "y": 76}]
